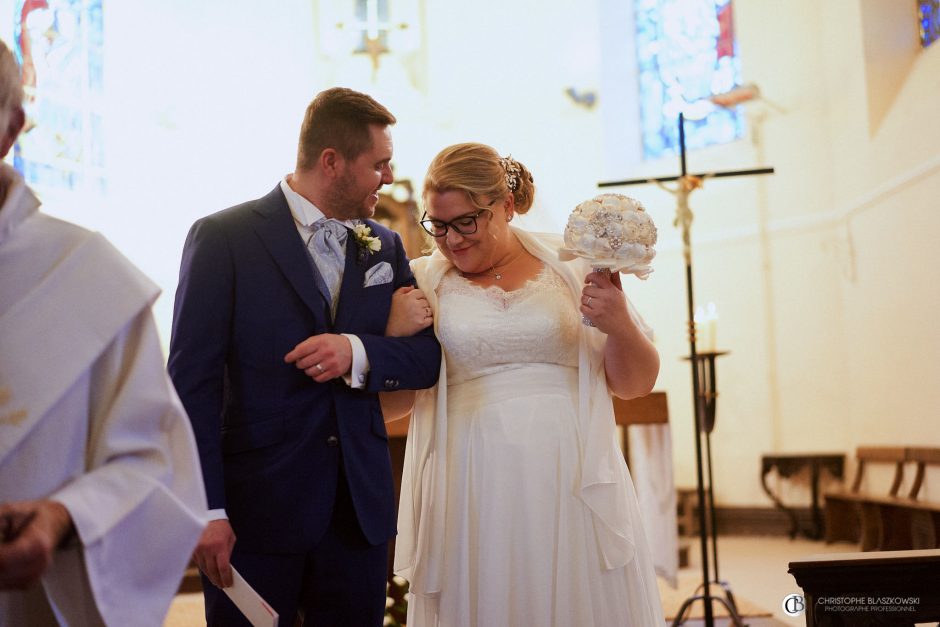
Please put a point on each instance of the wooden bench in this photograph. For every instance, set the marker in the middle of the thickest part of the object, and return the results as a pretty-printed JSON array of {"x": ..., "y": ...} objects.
[
  {"x": 891, "y": 521},
  {"x": 843, "y": 508},
  {"x": 908, "y": 521}
]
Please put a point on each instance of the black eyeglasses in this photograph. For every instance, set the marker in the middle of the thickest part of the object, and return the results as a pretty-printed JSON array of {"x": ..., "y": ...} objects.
[{"x": 464, "y": 225}]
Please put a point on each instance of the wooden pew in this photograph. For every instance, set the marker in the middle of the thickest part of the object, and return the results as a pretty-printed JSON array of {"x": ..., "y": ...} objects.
[
  {"x": 891, "y": 521},
  {"x": 191, "y": 581},
  {"x": 909, "y": 522},
  {"x": 844, "y": 520}
]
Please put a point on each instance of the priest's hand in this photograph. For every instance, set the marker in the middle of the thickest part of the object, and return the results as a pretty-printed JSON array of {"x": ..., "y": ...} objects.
[
  {"x": 214, "y": 551},
  {"x": 30, "y": 531},
  {"x": 322, "y": 357}
]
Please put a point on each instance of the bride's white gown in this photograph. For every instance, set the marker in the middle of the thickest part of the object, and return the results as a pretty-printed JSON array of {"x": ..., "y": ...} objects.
[{"x": 519, "y": 545}]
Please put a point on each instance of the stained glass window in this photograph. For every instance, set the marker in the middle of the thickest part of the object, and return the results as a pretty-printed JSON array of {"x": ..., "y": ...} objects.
[
  {"x": 928, "y": 12},
  {"x": 686, "y": 53},
  {"x": 59, "y": 45}
]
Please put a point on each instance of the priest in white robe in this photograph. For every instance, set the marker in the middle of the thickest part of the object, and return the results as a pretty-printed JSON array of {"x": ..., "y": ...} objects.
[{"x": 101, "y": 498}]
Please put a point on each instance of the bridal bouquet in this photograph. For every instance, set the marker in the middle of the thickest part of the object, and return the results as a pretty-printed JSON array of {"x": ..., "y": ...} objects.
[{"x": 613, "y": 232}]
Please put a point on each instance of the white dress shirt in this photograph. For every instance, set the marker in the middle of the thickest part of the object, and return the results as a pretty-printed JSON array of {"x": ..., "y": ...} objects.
[{"x": 305, "y": 216}]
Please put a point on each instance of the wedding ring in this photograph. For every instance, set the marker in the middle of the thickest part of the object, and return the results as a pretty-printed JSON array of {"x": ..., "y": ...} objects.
[
  {"x": 588, "y": 303},
  {"x": 318, "y": 367}
]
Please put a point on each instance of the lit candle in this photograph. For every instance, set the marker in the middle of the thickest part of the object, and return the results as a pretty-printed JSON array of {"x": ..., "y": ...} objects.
[
  {"x": 711, "y": 330},
  {"x": 699, "y": 320}
]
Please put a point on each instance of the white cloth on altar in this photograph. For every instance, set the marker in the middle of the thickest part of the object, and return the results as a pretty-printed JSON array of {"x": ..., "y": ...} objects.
[
  {"x": 651, "y": 466},
  {"x": 89, "y": 418},
  {"x": 602, "y": 480}
]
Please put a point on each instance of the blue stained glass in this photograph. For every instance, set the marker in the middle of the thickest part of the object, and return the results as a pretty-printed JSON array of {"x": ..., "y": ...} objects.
[
  {"x": 60, "y": 47},
  {"x": 686, "y": 53},
  {"x": 928, "y": 14}
]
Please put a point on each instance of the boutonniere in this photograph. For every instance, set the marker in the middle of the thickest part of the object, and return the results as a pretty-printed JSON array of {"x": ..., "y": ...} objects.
[{"x": 365, "y": 240}]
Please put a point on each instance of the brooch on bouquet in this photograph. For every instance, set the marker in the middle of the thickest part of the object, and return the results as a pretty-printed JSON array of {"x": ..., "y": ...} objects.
[{"x": 614, "y": 233}]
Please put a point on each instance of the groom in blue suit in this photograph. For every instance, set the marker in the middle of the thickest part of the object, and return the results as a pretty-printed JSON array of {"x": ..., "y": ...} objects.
[{"x": 278, "y": 354}]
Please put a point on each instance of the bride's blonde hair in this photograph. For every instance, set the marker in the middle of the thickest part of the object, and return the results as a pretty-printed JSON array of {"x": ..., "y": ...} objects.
[{"x": 479, "y": 172}]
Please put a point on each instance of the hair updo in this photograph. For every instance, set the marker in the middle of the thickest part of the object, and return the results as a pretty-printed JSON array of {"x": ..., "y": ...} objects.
[{"x": 479, "y": 172}]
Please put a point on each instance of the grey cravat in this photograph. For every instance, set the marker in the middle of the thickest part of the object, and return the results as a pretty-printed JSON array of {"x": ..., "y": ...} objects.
[{"x": 327, "y": 245}]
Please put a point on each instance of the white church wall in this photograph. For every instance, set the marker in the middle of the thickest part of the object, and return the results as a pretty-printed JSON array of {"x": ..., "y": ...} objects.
[
  {"x": 888, "y": 226},
  {"x": 202, "y": 105},
  {"x": 822, "y": 271},
  {"x": 197, "y": 121},
  {"x": 852, "y": 227}
]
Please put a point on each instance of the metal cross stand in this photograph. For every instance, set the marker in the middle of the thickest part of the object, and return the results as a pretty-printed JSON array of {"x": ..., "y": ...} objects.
[
  {"x": 708, "y": 397},
  {"x": 686, "y": 184}
]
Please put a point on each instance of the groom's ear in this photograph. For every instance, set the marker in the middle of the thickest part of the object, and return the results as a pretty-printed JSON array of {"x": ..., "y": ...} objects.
[{"x": 330, "y": 161}]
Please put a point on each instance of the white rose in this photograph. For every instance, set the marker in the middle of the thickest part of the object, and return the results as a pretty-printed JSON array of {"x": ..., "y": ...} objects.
[
  {"x": 587, "y": 243},
  {"x": 570, "y": 238},
  {"x": 589, "y": 208},
  {"x": 630, "y": 231},
  {"x": 634, "y": 251},
  {"x": 611, "y": 201}
]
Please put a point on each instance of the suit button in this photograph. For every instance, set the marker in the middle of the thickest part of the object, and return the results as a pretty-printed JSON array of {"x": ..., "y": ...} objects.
[
  {"x": 332, "y": 441},
  {"x": 391, "y": 384}
]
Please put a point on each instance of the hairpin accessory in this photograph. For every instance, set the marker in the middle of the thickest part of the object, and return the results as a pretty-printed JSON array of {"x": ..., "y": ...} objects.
[{"x": 513, "y": 172}]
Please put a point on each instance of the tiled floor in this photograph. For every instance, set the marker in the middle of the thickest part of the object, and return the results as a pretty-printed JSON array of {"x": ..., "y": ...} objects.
[{"x": 754, "y": 567}]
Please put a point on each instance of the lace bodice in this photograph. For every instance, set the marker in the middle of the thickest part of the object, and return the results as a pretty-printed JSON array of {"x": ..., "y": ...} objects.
[{"x": 488, "y": 330}]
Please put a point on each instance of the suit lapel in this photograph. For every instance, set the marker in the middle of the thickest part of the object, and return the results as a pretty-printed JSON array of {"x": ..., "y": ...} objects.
[
  {"x": 280, "y": 237},
  {"x": 351, "y": 289}
]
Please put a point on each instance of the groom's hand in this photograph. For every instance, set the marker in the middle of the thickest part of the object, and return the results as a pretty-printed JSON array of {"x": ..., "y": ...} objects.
[
  {"x": 214, "y": 551},
  {"x": 322, "y": 357}
]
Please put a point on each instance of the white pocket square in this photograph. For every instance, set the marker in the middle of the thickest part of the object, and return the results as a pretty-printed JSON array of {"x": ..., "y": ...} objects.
[{"x": 379, "y": 274}]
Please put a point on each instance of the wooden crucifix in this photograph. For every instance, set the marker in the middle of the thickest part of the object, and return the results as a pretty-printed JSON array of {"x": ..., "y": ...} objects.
[{"x": 686, "y": 184}]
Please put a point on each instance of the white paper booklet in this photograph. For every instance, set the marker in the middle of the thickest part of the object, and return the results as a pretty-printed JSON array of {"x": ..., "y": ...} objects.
[{"x": 255, "y": 609}]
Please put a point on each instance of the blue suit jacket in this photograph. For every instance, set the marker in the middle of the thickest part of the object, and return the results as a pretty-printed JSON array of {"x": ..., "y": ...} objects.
[{"x": 270, "y": 438}]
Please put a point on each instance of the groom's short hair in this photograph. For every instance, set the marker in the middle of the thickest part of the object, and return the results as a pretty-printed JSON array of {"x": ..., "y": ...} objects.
[{"x": 339, "y": 118}]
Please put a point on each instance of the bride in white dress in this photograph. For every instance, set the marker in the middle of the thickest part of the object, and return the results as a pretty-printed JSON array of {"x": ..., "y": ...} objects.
[{"x": 517, "y": 507}]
